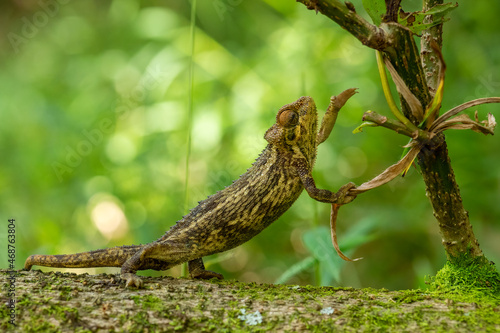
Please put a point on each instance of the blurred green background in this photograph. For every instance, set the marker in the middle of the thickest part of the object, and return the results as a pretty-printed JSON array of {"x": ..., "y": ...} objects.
[{"x": 93, "y": 130}]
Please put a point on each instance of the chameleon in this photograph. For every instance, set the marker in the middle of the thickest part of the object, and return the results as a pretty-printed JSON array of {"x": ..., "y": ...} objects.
[{"x": 237, "y": 213}]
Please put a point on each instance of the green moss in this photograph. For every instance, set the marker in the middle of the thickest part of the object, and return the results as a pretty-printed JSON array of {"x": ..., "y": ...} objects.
[
  {"x": 148, "y": 302},
  {"x": 465, "y": 276},
  {"x": 140, "y": 322},
  {"x": 410, "y": 296},
  {"x": 188, "y": 306}
]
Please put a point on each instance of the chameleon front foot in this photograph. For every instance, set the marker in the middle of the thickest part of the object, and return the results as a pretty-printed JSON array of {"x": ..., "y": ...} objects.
[
  {"x": 132, "y": 280},
  {"x": 343, "y": 195}
]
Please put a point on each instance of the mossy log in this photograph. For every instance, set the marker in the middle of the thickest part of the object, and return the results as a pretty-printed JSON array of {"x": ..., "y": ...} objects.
[{"x": 67, "y": 302}]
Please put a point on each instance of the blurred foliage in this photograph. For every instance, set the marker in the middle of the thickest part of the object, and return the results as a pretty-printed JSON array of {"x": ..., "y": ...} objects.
[{"x": 93, "y": 129}]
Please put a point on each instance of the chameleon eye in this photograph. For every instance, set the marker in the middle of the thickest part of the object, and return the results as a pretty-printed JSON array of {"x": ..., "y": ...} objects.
[{"x": 288, "y": 118}]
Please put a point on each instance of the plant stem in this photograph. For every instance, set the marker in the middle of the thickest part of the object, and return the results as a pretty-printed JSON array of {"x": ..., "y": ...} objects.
[
  {"x": 444, "y": 194},
  {"x": 429, "y": 58},
  {"x": 389, "y": 123},
  {"x": 398, "y": 45},
  {"x": 441, "y": 186},
  {"x": 190, "y": 115},
  {"x": 367, "y": 33}
]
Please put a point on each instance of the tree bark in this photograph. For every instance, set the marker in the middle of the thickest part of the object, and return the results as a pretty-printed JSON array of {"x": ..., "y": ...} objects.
[{"x": 66, "y": 302}]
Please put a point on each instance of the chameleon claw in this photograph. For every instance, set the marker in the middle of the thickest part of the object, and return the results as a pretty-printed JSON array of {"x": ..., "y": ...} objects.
[
  {"x": 344, "y": 197},
  {"x": 132, "y": 280}
]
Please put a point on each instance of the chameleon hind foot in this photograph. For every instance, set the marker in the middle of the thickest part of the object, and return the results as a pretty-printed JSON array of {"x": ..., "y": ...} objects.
[
  {"x": 197, "y": 271},
  {"x": 132, "y": 280}
]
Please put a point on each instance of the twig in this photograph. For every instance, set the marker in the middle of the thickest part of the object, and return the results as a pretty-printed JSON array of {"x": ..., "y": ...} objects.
[
  {"x": 389, "y": 123},
  {"x": 367, "y": 33}
]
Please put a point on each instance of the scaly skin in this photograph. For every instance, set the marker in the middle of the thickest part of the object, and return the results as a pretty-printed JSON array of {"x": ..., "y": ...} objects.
[{"x": 237, "y": 213}]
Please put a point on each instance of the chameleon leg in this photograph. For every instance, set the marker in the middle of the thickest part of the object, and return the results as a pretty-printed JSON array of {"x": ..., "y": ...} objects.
[
  {"x": 159, "y": 255},
  {"x": 341, "y": 197},
  {"x": 197, "y": 271},
  {"x": 155, "y": 255},
  {"x": 330, "y": 117},
  {"x": 129, "y": 268}
]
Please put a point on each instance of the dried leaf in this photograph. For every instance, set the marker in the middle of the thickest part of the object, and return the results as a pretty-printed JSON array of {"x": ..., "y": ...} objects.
[
  {"x": 390, "y": 173},
  {"x": 457, "y": 109},
  {"x": 463, "y": 121},
  {"x": 413, "y": 102},
  {"x": 333, "y": 228},
  {"x": 490, "y": 123},
  {"x": 410, "y": 144},
  {"x": 388, "y": 96}
]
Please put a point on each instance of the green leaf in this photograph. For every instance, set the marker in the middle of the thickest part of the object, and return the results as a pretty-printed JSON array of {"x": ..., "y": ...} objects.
[
  {"x": 319, "y": 243},
  {"x": 295, "y": 269},
  {"x": 376, "y": 9},
  {"x": 415, "y": 20}
]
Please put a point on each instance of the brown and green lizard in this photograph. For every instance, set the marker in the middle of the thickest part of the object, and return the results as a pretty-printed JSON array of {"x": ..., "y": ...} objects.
[{"x": 237, "y": 213}]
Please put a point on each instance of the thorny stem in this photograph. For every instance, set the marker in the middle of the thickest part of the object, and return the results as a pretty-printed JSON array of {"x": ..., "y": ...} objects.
[
  {"x": 430, "y": 61},
  {"x": 441, "y": 186},
  {"x": 420, "y": 73}
]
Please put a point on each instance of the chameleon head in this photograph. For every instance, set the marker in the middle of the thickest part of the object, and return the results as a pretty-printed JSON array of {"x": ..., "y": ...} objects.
[{"x": 296, "y": 125}]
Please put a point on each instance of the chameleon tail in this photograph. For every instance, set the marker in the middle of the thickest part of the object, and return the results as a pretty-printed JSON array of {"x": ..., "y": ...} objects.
[{"x": 112, "y": 257}]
